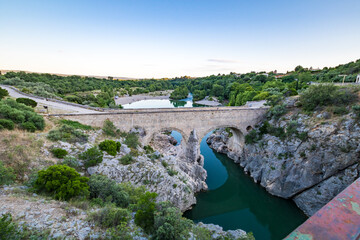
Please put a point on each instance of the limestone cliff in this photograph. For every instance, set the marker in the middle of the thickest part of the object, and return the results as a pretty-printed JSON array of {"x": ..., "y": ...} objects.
[{"x": 310, "y": 161}]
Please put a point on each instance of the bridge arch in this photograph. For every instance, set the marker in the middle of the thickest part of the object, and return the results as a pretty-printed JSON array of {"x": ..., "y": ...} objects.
[{"x": 238, "y": 139}]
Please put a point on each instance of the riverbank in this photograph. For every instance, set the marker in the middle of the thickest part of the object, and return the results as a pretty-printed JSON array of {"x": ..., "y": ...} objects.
[{"x": 314, "y": 159}]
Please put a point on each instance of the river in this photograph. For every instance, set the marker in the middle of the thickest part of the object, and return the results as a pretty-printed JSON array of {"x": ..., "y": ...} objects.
[{"x": 233, "y": 200}]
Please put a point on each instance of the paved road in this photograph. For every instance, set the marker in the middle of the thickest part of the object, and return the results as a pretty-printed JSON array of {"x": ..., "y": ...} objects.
[{"x": 52, "y": 105}]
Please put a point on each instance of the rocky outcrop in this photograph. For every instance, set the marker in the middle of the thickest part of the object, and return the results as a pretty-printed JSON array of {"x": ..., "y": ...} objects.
[
  {"x": 311, "y": 166},
  {"x": 217, "y": 232},
  {"x": 173, "y": 173}
]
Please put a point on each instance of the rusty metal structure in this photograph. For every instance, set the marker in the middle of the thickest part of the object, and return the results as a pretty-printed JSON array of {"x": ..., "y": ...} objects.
[{"x": 339, "y": 219}]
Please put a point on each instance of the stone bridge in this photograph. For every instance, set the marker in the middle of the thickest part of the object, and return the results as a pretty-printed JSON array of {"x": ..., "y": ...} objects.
[{"x": 188, "y": 121}]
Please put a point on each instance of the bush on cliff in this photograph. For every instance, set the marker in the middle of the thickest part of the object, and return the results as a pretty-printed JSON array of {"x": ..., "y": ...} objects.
[
  {"x": 62, "y": 182},
  {"x": 145, "y": 214},
  {"x": 67, "y": 134},
  {"x": 59, "y": 152},
  {"x": 169, "y": 223},
  {"x": 110, "y": 216},
  {"x": 92, "y": 157},
  {"x": 110, "y": 146},
  {"x": 325, "y": 95},
  {"x": 7, "y": 175},
  {"x": 109, "y": 128},
  {"x": 108, "y": 190}
]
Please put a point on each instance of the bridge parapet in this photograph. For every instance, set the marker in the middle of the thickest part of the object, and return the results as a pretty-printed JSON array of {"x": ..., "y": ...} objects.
[{"x": 339, "y": 219}]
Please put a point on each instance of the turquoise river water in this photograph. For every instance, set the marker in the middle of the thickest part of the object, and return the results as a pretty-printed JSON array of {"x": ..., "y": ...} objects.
[{"x": 233, "y": 200}]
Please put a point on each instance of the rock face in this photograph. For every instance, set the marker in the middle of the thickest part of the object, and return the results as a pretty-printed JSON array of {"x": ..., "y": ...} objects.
[
  {"x": 173, "y": 173},
  {"x": 311, "y": 170}
]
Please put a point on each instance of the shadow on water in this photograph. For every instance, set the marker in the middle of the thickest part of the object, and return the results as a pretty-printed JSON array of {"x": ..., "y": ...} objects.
[{"x": 234, "y": 201}]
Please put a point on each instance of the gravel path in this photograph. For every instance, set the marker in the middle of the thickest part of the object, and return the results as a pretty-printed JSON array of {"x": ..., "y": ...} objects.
[{"x": 64, "y": 108}]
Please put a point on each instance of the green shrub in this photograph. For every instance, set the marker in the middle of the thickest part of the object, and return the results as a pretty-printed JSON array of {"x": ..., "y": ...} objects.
[
  {"x": 8, "y": 229},
  {"x": 62, "y": 182},
  {"x": 8, "y": 124},
  {"x": 172, "y": 172},
  {"x": 148, "y": 149},
  {"x": 111, "y": 216},
  {"x": 59, "y": 152},
  {"x": 75, "y": 124},
  {"x": 251, "y": 137},
  {"x": 92, "y": 157},
  {"x": 110, "y": 146},
  {"x": 145, "y": 214},
  {"x": 169, "y": 223},
  {"x": 356, "y": 110},
  {"x": 127, "y": 159},
  {"x": 277, "y": 111},
  {"x": 325, "y": 95},
  {"x": 68, "y": 134},
  {"x": 122, "y": 232},
  {"x": 132, "y": 140},
  {"x": 28, "y": 126},
  {"x": 71, "y": 162},
  {"x": 165, "y": 164},
  {"x": 108, "y": 190},
  {"x": 340, "y": 110},
  {"x": 20, "y": 114},
  {"x": 27, "y": 102},
  {"x": 7, "y": 175},
  {"x": 3, "y": 93},
  {"x": 109, "y": 128}
]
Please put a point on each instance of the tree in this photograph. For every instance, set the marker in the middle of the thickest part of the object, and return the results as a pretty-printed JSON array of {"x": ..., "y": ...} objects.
[
  {"x": 144, "y": 216},
  {"x": 3, "y": 93},
  {"x": 62, "y": 181}
]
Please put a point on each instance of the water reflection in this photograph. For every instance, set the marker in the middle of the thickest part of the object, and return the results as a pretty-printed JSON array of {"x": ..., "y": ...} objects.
[{"x": 240, "y": 203}]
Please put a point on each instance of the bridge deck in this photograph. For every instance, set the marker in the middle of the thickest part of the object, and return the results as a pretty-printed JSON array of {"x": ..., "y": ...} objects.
[
  {"x": 339, "y": 219},
  {"x": 165, "y": 110}
]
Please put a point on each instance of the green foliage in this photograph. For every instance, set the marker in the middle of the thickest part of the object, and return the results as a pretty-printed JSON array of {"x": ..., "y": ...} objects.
[
  {"x": 165, "y": 164},
  {"x": 110, "y": 146},
  {"x": 169, "y": 223},
  {"x": 110, "y": 216},
  {"x": 75, "y": 124},
  {"x": 127, "y": 159},
  {"x": 340, "y": 110},
  {"x": 148, "y": 149},
  {"x": 108, "y": 190},
  {"x": 251, "y": 137},
  {"x": 8, "y": 229},
  {"x": 132, "y": 140},
  {"x": 71, "y": 162},
  {"x": 8, "y": 124},
  {"x": 68, "y": 134},
  {"x": 201, "y": 233},
  {"x": 277, "y": 111},
  {"x": 21, "y": 114},
  {"x": 172, "y": 172},
  {"x": 62, "y": 182},
  {"x": 109, "y": 128},
  {"x": 356, "y": 110},
  {"x": 92, "y": 157},
  {"x": 121, "y": 232},
  {"x": 3, "y": 93},
  {"x": 179, "y": 93},
  {"x": 145, "y": 214},
  {"x": 28, "y": 126},
  {"x": 325, "y": 95},
  {"x": 7, "y": 175},
  {"x": 59, "y": 152},
  {"x": 27, "y": 101}
]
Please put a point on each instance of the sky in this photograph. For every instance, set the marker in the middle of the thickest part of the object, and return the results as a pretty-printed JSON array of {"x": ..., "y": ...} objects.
[{"x": 169, "y": 38}]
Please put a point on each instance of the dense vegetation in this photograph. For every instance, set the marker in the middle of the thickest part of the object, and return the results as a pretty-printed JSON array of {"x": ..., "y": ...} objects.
[
  {"x": 234, "y": 88},
  {"x": 13, "y": 113},
  {"x": 27, "y": 101}
]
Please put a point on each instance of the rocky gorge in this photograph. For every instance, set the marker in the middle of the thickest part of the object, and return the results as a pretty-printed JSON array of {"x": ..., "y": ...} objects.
[{"x": 309, "y": 159}]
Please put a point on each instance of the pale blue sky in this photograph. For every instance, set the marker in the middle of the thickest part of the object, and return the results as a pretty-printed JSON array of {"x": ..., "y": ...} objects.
[{"x": 154, "y": 38}]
